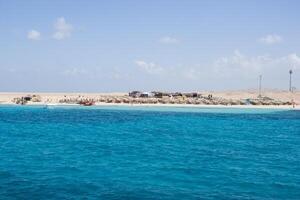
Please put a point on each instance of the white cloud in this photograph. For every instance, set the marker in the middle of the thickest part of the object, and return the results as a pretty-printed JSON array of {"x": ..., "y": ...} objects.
[
  {"x": 74, "y": 72},
  {"x": 33, "y": 35},
  {"x": 62, "y": 29},
  {"x": 237, "y": 66},
  {"x": 116, "y": 74},
  {"x": 190, "y": 73},
  {"x": 168, "y": 40},
  {"x": 271, "y": 39},
  {"x": 240, "y": 65},
  {"x": 149, "y": 67},
  {"x": 293, "y": 60}
]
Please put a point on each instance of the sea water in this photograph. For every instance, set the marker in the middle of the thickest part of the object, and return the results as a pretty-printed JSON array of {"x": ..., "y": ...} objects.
[{"x": 148, "y": 153}]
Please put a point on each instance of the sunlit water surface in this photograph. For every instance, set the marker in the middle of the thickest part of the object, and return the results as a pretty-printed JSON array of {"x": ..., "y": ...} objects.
[{"x": 148, "y": 153}]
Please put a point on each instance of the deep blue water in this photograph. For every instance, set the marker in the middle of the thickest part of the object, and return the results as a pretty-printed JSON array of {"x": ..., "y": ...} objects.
[{"x": 148, "y": 153}]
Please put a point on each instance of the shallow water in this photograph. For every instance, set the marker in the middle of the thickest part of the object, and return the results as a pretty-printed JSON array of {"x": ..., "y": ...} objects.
[{"x": 148, "y": 153}]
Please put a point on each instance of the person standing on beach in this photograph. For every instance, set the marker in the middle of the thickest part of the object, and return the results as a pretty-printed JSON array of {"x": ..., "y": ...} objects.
[{"x": 293, "y": 103}]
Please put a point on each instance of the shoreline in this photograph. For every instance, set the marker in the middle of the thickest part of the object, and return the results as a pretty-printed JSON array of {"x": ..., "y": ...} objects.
[
  {"x": 243, "y": 99},
  {"x": 281, "y": 107}
]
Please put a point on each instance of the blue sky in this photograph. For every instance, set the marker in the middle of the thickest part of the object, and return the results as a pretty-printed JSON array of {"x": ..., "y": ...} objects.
[{"x": 110, "y": 46}]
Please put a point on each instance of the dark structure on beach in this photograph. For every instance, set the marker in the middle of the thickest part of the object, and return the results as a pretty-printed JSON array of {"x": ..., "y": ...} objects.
[
  {"x": 290, "y": 88},
  {"x": 157, "y": 94}
]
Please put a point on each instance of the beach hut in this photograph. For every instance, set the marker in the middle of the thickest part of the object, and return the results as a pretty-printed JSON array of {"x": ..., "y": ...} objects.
[
  {"x": 192, "y": 94},
  {"x": 146, "y": 94},
  {"x": 176, "y": 94},
  {"x": 161, "y": 94},
  {"x": 135, "y": 94}
]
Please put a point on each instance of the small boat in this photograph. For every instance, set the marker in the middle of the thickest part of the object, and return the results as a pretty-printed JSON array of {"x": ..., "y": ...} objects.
[
  {"x": 87, "y": 103},
  {"x": 90, "y": 103}
]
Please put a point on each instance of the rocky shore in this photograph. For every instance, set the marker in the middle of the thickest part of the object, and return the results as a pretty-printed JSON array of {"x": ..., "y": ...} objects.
[
  {"x": 177, "y": 100},
  {"x": 146, "y": 98}
]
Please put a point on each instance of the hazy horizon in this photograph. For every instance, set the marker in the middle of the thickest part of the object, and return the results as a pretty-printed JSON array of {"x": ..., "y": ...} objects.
[
  {"x": 266, "y": 90},
  {"x": 101, "y": 46}
]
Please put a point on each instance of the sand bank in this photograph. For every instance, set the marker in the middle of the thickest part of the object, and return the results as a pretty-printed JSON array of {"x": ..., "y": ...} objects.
[{"x": 55, "y": 99}]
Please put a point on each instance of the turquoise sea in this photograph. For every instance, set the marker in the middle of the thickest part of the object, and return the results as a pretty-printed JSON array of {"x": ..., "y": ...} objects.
[{"x": 148, "y": 153}]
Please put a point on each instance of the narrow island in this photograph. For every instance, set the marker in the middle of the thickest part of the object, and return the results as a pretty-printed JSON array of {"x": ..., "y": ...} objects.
[{"x": 270, "y": 98}]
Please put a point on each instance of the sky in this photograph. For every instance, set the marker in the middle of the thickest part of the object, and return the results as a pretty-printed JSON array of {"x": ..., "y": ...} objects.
[{"x": 119, "y": 46}]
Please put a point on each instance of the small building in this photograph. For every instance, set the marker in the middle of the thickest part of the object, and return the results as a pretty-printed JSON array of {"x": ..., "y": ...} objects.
[
  {"x": 159, "y": 94},
  {"x": 135, "y": 94},
  {"x": 146, "y": 94},
  {"x": 27, "y": 98},
  {"x": 176, "y": 94},
  {"x": 192, "y": 94}
]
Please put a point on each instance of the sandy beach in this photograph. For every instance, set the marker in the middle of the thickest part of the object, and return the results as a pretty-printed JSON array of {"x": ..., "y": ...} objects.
[{"x": 55, "y": 98}]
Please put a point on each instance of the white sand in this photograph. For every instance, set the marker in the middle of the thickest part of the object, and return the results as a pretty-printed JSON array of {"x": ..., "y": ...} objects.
[{"x": 53, "y": 98}]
